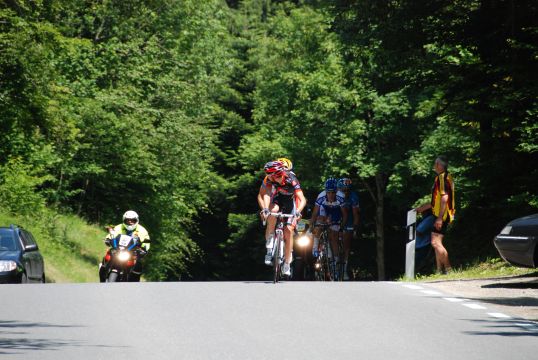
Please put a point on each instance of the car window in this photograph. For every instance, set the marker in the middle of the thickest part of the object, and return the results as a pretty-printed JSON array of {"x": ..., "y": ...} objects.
[
  {"x": 7, "y": 240},
  {"x": 27, "y": 238}
]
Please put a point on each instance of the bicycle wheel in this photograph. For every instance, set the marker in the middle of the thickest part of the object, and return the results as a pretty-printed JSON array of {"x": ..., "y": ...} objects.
[
  {"x": 340, "y": 265},
  {"x": 276, "y": 260}
]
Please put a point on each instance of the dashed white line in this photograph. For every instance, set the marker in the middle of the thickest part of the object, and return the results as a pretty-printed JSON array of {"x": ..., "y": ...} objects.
[
  {"x": 526, "y": 326},
  {"x": 474, "y": 306},
  {"x": 431, "y": 292},
  {"x": 499, "y": 315},
  {"x": 414, "y": 287},
  {"x": 451, "y": 299}
]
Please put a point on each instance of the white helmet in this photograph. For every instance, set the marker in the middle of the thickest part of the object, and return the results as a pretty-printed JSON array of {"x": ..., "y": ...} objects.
[{"x": 130, "y": 215}]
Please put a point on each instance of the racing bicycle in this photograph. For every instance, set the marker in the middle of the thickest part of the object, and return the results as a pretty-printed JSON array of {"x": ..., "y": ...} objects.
[{"x": 278, "y": 243}]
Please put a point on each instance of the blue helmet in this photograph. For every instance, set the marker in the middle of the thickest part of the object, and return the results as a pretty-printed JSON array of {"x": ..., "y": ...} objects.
[
  {"x": 344, "y": 183},
  {"x": 330, "y": 184}
]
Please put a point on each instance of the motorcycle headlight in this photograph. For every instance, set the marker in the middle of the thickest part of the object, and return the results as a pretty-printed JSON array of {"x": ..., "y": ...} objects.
[
  {"x": 124, "y": 256},
  {"x": 7, "y": 265},
  {"x": 303, "y": 241}
]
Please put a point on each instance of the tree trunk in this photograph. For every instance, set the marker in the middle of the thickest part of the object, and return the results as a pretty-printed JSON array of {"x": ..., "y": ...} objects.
[{"x": 380, "y": 226}]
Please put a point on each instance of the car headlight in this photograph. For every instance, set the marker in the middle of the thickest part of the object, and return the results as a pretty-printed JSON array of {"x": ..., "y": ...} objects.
[
  {"x": 506, "y": 230},
  {"x": 303, "y": 241},
  {"x": 124, "y": 256},
  {"x": 7, "y": 265}
]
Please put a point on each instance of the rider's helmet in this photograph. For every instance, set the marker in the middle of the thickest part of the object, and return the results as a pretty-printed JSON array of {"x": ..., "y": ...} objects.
[
  {"x": 130, "y": 215},
  {"x": 287, "y": 163},
  {"x": 274, "y": 168},
  {"x": 344, "y": 183},
  {"x": 330, "y": 184}
]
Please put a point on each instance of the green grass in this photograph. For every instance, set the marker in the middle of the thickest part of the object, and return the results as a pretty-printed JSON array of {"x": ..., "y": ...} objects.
[
  {"x": 489, "y": 268},
  {"x": 71, "y": 248}
]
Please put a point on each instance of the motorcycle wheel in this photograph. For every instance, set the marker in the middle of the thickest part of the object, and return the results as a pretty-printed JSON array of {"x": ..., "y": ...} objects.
[{"x": 112, "y": 277}]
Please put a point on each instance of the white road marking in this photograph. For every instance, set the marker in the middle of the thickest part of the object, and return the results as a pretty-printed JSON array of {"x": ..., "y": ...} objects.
[
  {"x": 474, "y": 306},
  {"x": 451, "y": 299},
  {"x": 499, "y": 315},
  {"x": 414, "y": 287},
  {"x": 431, "y": 292}
]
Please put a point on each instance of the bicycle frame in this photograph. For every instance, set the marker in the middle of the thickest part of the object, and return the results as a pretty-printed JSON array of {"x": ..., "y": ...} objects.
[
  {"x": 322, "y": 267},
  {"x": 278, "y": 243}
]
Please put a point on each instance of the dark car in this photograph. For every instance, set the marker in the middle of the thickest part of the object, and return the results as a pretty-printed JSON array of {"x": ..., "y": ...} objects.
[
  {"x": 517, "y": 241},
  {"x": 20, "y": 259}
]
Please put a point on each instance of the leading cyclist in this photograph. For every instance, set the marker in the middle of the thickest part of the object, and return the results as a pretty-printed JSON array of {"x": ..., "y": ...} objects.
[{"x": 280, "y": 191}]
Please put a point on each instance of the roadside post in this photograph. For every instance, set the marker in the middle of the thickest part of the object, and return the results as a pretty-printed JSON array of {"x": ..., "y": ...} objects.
[{"x": 410, "y": 245}]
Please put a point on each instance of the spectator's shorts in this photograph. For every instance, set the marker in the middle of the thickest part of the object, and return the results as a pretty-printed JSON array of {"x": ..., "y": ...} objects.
[{"x": 443, "y": 228}]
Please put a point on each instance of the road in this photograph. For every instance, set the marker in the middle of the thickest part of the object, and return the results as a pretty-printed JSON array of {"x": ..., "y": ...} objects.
[{"x": 235, "y": 320}]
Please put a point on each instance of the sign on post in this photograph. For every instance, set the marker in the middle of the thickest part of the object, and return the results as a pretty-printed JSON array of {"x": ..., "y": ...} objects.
[{"x": 410, "y": 246}]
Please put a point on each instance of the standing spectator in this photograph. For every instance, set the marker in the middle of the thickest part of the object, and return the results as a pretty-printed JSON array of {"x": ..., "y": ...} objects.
[{"x": 442, "y": 212}]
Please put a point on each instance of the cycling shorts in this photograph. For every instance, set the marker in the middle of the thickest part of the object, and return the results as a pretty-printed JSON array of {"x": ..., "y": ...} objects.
[
  {"x": 333, "y": 227},
  {"x": 286, "y": 205}
]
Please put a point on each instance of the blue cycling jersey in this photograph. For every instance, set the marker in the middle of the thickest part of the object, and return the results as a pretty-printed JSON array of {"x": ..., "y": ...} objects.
[
  {"x": 350, "y": 202},
  {"x": 333, "y": 210}
]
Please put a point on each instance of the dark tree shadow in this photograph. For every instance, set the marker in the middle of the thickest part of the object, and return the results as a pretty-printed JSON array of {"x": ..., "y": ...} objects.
[
  {"x": 505, "y": 327},
  {"x": 23, "y": 343}
]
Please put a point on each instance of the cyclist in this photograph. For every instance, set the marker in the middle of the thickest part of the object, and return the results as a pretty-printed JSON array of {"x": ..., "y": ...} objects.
[
  {"x": 131, "y": 227},
  {"x": 287, "y": 165},
  {"x": 329, "y": 209},
  {"x": 280, "y": 191},
  {"x": 351, "y": 225}
]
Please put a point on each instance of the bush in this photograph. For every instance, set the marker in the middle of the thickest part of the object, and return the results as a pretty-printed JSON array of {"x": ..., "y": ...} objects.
[{"x": 18, "y": 187}]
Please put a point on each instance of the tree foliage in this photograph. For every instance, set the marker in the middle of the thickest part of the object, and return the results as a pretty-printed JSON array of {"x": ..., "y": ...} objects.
[{"x": 171, "y": 108}]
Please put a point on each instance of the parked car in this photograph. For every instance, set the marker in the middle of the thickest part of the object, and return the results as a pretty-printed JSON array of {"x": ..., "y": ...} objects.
[
  {"x": 20, "y": 259},
  {"x": 517, "y": 242}
]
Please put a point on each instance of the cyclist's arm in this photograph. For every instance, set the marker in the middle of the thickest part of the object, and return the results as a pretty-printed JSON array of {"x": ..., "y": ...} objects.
[
  {"x": 345, "y": 215},
  {"x": 302, "y": 200},
  {"x": 355, "y": 216},
  {"x": 264, "y": 199},
  {"x": 314, "y": 217}
]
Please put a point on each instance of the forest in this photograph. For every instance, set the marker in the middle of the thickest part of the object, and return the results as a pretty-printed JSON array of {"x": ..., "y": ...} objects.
[{"x": 172, "y": 107}]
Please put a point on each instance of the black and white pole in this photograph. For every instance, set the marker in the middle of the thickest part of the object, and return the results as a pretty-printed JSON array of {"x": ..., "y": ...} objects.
[{"x": 410, "y": 246}]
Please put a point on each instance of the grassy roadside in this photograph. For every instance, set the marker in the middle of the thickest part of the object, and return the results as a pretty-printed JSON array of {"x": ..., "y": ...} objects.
[
  {"x": 71, "y": 248},
  {"x": 489, "y": 268}
]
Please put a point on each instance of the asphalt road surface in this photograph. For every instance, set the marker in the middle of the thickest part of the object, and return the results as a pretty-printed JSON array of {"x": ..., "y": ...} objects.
[{"x": 235, "y": 320}]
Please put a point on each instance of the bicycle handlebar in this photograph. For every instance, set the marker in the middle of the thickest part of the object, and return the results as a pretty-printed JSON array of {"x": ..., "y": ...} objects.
[{"x": 279, "y": 215}]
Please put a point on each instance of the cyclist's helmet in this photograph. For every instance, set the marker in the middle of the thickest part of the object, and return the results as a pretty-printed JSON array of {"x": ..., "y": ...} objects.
[
  {"x": 274, "y": 168},
  {"x": 330, "y": 184},
  {"x": 287, "y": 163},
  {"x": 344, "y": 183},
  {"x": 128, "y": 218}
]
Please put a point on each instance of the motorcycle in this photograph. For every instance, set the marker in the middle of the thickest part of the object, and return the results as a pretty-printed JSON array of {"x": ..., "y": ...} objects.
[{"x": 121, "y": 258}]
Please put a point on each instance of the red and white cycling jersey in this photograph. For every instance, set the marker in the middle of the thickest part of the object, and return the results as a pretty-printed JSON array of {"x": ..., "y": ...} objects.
[{"x": 289, "y": 186}]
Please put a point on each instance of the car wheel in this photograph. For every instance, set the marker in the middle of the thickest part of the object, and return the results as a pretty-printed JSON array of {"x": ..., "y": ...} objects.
[{"x": 43, "y": 278}]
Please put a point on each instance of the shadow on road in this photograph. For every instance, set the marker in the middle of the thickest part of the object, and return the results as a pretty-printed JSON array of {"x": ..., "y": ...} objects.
[
  {"x": 24, "y": 343},
  {"x": 21, "y": 341},
  {"x": 510, "y": 328},
  {"x": 513, "y": 285}
]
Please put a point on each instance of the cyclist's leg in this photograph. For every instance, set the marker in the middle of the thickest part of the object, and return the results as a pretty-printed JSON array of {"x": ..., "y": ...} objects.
[
  {"x": 288, "y": 247},
  {"x": 348, "y": 236},
  {"x": 333, "y": 254},
  {"x": 269, "y": 235},
  {"x": 270, "y": 228}
]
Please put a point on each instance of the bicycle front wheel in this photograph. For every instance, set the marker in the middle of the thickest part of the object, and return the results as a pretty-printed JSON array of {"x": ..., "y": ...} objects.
[{"x": 276, "y": 260}]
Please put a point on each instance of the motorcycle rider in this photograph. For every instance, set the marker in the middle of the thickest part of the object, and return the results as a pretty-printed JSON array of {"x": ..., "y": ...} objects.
[
  {"x": 280, "y": 191},
  {"x": 130, "y": 227}
]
